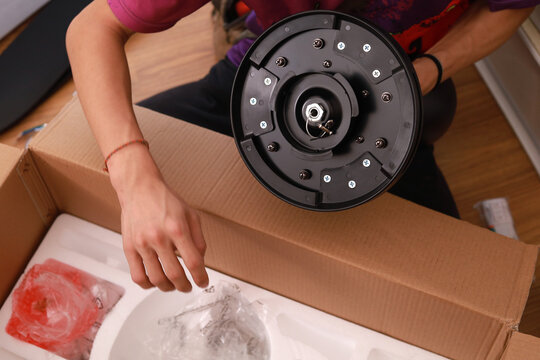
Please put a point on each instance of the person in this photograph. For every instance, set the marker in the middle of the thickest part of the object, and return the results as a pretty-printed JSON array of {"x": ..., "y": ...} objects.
[{"x": 155, "y": 222}]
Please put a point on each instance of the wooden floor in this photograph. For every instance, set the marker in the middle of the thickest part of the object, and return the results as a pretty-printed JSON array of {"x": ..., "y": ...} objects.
[
  {"x": 482, "y": 159},
  {"x": 480, "y": 155}
]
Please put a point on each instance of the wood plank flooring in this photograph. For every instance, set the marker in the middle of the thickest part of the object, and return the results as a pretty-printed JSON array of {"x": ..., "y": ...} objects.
[
  {"x": 480, "y": 155},
  {"x": 482, "y": 159}
]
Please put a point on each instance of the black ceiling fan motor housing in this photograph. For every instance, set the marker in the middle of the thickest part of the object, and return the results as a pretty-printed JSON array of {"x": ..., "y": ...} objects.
[{"x": 326, "y": 110}]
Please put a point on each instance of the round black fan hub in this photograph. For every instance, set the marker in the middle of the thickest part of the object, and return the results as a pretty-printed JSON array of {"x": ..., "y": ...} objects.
[{"x": 326, "y": 110}]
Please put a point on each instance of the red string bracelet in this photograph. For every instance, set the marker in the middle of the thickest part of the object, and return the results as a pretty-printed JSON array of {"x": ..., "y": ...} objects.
[{"x": 137, "y": 141}]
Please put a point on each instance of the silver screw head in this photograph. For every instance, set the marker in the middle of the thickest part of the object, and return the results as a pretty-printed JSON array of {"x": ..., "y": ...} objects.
[
  {"x": 341, "y": 45},
  {"x": 376, "y": 73},
  {"x": 273, "y": 147},
  {"x": 253, "y": 101},
  {"x": 281, "y": 61},
  {"x": 263, "y": 125},
  {"x": 318, "y": 43},
  {"x": 366, "y": 162},
  {"x": 267, "y": 81},
  {"x": 380, "y": 143},
  {"x": 304, "y": 174},
  {"x": 327, "y": 178},
  {"x": 352, "y": 184},
  {"x": 365, "y": 93},
  {"x": 327, "y": 63},
  {"x": 386, "y": 97},
  {"x": 366, "y": 47}
]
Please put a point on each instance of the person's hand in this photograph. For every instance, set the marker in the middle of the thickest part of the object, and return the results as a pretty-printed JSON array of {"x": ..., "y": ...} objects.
[
  {"x": 155, "y": 224},
  {"x": 427, "y": 73}
]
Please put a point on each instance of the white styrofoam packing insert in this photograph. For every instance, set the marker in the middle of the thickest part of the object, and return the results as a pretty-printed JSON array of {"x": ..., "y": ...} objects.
[{"x": 296, "y": 331}]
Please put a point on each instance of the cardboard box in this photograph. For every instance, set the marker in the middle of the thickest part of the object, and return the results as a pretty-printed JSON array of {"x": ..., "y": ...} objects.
[
  {"x": 132, "y": 331},
  {"x": 419, "y": 276}
]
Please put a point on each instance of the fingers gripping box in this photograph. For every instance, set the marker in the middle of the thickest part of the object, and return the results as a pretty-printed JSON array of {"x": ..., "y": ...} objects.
[{"x": 391, "y": 266}]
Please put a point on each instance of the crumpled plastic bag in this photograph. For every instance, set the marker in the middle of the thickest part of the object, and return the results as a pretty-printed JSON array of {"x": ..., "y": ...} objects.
[
  {"x": 60, "y": 308},
  {"x": 220, "y": 324}
]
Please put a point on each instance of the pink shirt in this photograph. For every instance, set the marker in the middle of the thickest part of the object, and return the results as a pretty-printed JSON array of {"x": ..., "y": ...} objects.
[
  {"x": 157, "y": 15},
  {"x": 415, "y": 24}
]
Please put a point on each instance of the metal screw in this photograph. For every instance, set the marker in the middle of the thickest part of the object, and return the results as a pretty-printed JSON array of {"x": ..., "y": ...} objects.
[
  {"x": 366, "y": 162},
  {"x": 281, "y": 61},
  {"x": 376, "y": 73},
  {"x": 341, "y": 45},
  {"x": 273, "y": 147},
  {"x": 327, "y": 63},
  {"x": 365, "y": 93},
  {"x": 253, "y": 101},
  {"x": 367, "y": 48},
  {"x": 380, "y": 143},
  {"x": 318, "y": 43},
  {"x": 267, "y": 81},
  {"x": 305, "y": 174},
  {"x": 352, "y": 184},
  {"x": 327, "y": 178},
  {"x": 263, "y": 125},
  {"x": 314, "y": 112},
  {"x": 360, "y": 139},
  {"x": 386, "y": 97}
]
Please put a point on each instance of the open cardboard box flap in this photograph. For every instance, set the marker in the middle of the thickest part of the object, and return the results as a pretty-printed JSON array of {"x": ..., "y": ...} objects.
[
  {"x": 390, "y": 265},
  {"x": 21, "y": 226},
  {"x": 522, "y": 346}
]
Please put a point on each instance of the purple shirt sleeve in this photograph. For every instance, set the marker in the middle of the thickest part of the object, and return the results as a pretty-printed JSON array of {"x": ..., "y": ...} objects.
[
  {"x": 496, "y": 5},
  {"x": 237, "y": 52},
  {"x": 252, "y": 23},
  {"x": 152, "y": 15}
]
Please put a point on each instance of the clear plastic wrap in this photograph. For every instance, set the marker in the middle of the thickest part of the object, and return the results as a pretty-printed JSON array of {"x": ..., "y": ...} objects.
[
  {"x": 220, "y": 324},
  {"x": 60, "y": 308}
]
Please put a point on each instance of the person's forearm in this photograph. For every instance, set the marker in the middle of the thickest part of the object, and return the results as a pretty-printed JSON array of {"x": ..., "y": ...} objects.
[
  {"x": 476, "y": 34},
  {"x": 100, "y": 70}
]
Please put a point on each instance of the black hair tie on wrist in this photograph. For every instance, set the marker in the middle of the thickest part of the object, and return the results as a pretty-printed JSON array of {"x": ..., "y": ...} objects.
[{"x": 437, "y": 63}]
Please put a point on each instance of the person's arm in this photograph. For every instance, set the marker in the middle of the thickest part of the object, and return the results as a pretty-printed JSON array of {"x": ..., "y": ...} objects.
[
  {"x": 476, "y": 34},
  {"x": 155, "y": 222}
]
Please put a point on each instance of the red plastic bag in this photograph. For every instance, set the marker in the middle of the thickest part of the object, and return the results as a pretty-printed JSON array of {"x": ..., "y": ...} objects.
[{"x": 60, "y": 308}]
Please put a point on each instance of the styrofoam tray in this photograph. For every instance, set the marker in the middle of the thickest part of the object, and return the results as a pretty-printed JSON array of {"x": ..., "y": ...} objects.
[{"x": 296, "y": 331}]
